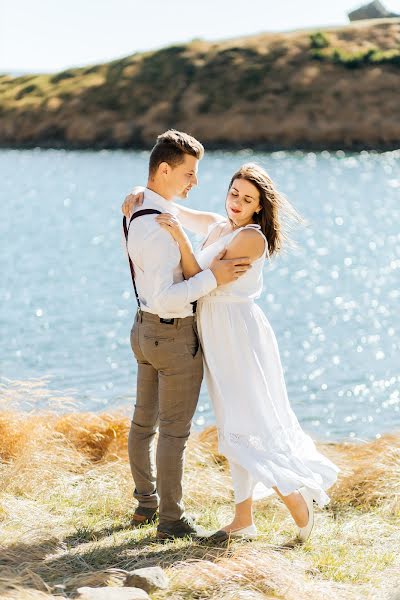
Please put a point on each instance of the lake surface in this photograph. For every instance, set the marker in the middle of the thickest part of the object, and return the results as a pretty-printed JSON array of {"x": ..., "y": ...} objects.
[{"x": 67, "y": 306}]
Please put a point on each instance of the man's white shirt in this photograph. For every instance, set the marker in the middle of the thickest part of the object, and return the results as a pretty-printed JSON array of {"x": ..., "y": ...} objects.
[{"x": 156, "y": 258}]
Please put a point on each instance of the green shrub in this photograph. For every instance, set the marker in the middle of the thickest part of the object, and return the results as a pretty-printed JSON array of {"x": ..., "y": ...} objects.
[
  {"x": 90, "y": 70},
  {"x": 386, "y": 57},
  {"x": 353, "y": 60},
  {"x": 319, "y": 40},
  {"x": 26, "y": 78},
  {"x": 28, "y": 89},
  {"x": 325, "y": 54},
  {"x": 63, "y": 75}
]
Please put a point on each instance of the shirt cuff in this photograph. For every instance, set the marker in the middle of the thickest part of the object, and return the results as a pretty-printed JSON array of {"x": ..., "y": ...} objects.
[{"x": 207, "y": 282}]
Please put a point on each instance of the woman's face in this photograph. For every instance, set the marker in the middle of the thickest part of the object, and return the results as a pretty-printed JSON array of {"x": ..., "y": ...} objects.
[{"x": 242, "y": 201}]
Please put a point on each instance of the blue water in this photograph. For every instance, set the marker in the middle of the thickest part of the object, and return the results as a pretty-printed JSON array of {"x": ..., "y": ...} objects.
[{"x": 67, "y": 305}]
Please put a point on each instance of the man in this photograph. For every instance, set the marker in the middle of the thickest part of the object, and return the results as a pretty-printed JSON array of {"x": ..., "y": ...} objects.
[{"x": 164, "y": 339}]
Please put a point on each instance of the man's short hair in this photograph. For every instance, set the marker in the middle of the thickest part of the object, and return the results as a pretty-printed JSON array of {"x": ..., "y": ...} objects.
[{"x": 171, "y": 148}]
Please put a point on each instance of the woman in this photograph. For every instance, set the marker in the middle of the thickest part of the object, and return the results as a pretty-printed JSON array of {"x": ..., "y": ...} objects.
[{"x": 257, "y": 430}]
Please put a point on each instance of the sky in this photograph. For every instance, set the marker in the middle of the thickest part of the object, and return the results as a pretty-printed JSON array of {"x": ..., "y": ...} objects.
[{"x": 50, "y": 35}]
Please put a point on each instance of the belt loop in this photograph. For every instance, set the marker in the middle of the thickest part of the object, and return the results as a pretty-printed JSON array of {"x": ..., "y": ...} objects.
[{"x": 178, "y": 323}]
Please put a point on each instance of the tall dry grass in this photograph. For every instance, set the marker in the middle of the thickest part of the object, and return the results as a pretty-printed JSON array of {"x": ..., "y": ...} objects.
[{"x": 66, "y": 501}]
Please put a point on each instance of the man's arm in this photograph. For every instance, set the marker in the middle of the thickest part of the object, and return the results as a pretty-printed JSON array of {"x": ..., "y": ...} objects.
[
  {"x": 224, "y": 268},
  {"x": 160, "y": 256},
  {"x": 225, "y": 271}
]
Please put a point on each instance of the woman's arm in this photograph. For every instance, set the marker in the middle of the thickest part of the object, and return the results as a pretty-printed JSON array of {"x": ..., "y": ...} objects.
[
  {"x": 190, "y": 266},
  {"x": 196, "y": 221},
  {"x": 247, "y": 242}
]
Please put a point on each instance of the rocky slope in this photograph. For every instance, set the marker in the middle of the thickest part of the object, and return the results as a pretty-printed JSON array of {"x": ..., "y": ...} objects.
[{"x": 337, "y": 88}]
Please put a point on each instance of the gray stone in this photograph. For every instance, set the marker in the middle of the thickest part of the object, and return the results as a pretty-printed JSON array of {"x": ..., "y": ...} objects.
[
  {"x": 149, "y": 579},
  {"x": 373, "y": 10},
  {"x": 111, "y": 593}
]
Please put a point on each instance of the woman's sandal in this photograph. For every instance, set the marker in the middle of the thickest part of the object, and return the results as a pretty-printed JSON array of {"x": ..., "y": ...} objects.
[
  {"x": 304, "y": 532},
  {"x": 221, "y": 536}
]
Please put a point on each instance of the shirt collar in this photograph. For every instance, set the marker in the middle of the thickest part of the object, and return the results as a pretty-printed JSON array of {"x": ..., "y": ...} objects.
[{"x": 160, "y": 202}]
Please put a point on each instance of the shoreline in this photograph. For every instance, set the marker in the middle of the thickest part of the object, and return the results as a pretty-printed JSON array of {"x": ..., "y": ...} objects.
[{"x": 213, "y": 147}]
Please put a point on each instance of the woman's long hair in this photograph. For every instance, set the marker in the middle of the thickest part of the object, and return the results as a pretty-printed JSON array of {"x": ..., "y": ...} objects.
[{"x": 277, "y": 214}]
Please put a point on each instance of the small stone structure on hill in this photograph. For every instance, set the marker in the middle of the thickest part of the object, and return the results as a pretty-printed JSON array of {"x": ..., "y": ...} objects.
[{"x": 373, "y": 10}]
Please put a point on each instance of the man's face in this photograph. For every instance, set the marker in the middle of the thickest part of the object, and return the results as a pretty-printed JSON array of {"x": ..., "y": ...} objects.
[{"x": 183, "y": 177}]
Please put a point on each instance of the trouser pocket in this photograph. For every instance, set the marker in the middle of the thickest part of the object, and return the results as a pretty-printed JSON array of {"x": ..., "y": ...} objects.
[{"x": 193, "y": 342}]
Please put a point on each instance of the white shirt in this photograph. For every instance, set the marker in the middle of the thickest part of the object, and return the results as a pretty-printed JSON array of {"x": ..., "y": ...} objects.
[{"x": 156, "y": 258}]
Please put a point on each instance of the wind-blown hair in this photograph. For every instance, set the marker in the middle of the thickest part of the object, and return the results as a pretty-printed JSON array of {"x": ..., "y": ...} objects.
[{"x": 276, "y": 212}]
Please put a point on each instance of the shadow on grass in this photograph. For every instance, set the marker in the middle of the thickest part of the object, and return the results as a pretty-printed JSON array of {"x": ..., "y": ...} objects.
[
  {"x": 89, "y": 557},
  {"x": 87, "y": 534}
]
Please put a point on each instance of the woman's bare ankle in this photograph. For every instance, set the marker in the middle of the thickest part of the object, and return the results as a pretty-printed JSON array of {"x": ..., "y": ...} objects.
[{"x": 238, "y": 524}]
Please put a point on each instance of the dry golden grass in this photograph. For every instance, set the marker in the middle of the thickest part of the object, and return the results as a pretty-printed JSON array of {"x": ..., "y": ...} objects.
[{"x": 65, "y": 505}]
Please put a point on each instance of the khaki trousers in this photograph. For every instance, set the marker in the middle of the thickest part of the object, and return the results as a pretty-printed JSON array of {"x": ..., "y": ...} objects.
[{"x": 170, "y": 371}]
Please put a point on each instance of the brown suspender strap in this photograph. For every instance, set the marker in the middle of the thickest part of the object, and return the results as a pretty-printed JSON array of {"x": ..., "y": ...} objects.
[{"x": 139, "y": 213}]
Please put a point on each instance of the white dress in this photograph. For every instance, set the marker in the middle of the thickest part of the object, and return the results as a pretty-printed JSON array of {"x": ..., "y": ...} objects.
[{"x": 257, "y": 429}]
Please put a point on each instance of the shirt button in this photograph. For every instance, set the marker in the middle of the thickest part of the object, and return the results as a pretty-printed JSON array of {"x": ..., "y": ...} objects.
[{"x": 156, "y": 343}]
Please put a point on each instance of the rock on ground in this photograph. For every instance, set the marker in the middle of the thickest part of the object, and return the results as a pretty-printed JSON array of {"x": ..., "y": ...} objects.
[
  {"x": 112, "y": 593},
  {"x": 149, "y": 579}
]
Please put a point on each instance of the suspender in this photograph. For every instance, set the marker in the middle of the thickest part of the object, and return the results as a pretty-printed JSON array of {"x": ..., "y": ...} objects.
[{"x": 139, "y": 213}]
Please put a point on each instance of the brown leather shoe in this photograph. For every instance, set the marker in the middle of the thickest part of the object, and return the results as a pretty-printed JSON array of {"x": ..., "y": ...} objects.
[
  {"x": 144, "y": 516},
  {"x": 185, "y": 527}
]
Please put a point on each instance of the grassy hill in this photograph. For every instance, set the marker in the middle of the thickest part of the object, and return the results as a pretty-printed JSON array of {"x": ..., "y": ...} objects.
[
  {"x": 336, "y": 88},
  {"x": 66, "y": 503}
]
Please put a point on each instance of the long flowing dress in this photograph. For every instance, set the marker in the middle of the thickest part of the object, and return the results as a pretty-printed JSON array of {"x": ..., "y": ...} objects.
[{"x": 257, "y": 429}]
